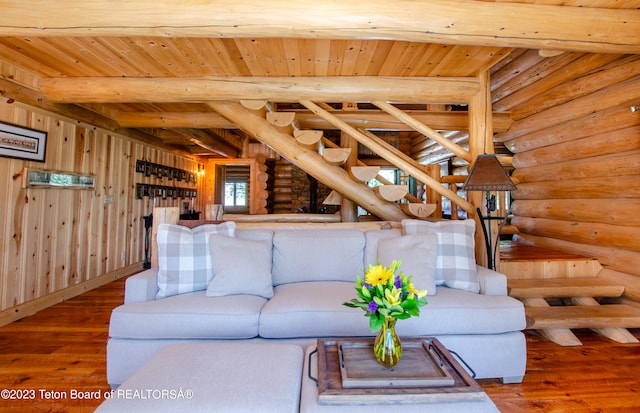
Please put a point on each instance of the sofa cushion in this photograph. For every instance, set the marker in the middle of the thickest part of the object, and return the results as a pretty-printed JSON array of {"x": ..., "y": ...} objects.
[
  {"x": 453, "y": 311},
  {"x": 187, "y": 316},
  {"x": 240, "y": 266},
  {"x": 184, "y": 259},
  {"x": 317, "y": 255},
  {"x": 312, "y": 309},
  {"x": 373, "y": 237},
  {"x": 255, "y": 234},
  {"x": 418, "y": 255},
  {"x": 456, "y": 261}
]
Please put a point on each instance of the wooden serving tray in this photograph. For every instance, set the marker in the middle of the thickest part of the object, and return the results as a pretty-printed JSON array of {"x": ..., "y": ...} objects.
[
  {"x": 420, "y": 366},
  {"x": 332, "y": 391}
]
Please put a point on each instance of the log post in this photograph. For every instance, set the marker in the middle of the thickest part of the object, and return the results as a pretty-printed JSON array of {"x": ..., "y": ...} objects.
[
  {"x": 434, "y": 197},
  {"x": 348, "y": 209},
  {"x": 481, "y": 142}
]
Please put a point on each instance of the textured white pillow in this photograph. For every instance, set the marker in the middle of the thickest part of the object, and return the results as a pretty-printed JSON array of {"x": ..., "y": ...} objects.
[
  {"x": 240, "y": 266},
  {"x": 456, "y": 261},
  {"x": 418, "y": 254},
  {"x": 184, "y": 261}
]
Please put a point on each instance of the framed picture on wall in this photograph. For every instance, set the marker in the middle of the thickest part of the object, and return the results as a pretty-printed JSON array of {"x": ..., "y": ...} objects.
[
  {"x": 36, "y": 178},
  {"x": 22, "y": 143}
]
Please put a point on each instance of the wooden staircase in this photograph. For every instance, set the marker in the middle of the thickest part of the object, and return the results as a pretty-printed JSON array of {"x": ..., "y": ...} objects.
[
  {"x": 333, "y": 158},
  {"x": 554, "y": 306}
]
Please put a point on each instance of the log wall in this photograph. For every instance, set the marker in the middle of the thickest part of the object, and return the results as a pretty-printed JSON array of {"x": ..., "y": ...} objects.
[
  {"x": 576, "y": 146},
  {"x": 56, "y": 243}
]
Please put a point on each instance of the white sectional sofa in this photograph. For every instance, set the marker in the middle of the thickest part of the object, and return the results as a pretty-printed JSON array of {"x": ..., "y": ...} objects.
[{"x": 219, "y": 282}]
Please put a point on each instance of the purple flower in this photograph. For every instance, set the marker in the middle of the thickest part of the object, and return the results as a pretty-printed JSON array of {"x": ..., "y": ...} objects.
[
  {"x": 367, "y": 285},
  {"x": 398, "y": 282},
  {"x": 372, "y": 307}
]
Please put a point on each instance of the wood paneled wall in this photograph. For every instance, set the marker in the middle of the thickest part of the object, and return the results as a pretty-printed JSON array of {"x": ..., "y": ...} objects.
[
  {"x": 577, "y": 155},
  {"x": 56, "y": 243}
]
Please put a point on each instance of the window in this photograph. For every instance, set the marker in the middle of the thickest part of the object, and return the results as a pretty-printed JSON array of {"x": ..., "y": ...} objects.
[{"x": 235, "y": 194}]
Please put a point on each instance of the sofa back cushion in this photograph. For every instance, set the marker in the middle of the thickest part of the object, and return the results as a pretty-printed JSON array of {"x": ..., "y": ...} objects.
[
  {"x": 456, "y": 261},
  {"x": 240, "y": 266},
  {"x": 373, "y": 238},
  {"x": 317, "y": 255},
  {"x": 418, "y": 255},
  {"x": 184, "y": 259}
]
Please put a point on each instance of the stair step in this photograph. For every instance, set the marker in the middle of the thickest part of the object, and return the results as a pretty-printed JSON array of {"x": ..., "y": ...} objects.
[
  {"x": 336, "y": 156},
  {"x": 563, "y": 287},
  {"x": 364, "y": 173},
  {"x": 391, "y": 192},
  {"x": 308, "y": 137},
  {"x": 281, "y": 119},
  {"x": 418, "y": 209},
  {"x": 578, "y": 316}
]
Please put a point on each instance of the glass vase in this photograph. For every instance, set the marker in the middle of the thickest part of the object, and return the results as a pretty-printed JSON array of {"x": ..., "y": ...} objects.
[{"x": 387, "y": 347}]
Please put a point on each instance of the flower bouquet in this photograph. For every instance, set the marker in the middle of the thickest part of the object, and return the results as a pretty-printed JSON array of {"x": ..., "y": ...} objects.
[{"x": 387, "y": 297}]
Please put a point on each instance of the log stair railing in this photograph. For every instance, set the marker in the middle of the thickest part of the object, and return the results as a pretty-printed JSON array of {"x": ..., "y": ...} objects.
[{"x": 554, "y": 306}]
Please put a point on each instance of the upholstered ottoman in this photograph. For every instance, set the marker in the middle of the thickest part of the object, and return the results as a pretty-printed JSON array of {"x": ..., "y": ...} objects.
[
  {"x": 309, "y": 400},
  {"x": 214, "y": 377}
]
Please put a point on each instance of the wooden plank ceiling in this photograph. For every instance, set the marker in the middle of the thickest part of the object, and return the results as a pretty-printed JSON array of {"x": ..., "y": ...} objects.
[{"x": 29, "y": 56}]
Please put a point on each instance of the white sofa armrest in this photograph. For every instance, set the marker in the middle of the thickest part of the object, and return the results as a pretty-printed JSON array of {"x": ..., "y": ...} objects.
[
  {"x": 141, "y": 287},
  {"x": 491, "y": 282}
]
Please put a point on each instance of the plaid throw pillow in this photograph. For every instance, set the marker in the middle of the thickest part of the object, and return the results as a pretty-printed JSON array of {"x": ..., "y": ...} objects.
[
  {"x": 456, "y": 261},
  {"x": 184, "y": 258}
]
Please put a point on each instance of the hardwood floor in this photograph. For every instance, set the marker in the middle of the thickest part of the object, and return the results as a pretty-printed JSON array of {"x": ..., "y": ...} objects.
[{"x": 58, "y": 355}]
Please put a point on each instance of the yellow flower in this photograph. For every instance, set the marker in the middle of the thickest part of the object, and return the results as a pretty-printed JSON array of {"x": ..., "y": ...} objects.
[
  {"x": 412, "y": 289},
  {"x": 393, "y": 297},
  {"x": 377, "y": 275}
]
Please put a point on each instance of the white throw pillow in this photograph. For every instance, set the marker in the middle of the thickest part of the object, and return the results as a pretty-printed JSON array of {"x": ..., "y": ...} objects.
[
  {"x": 184, "y": 260},
  {"x": 418, "y": 254},
  {"x": 456, "y": 261},
  {"x": 240, "y": 266}
]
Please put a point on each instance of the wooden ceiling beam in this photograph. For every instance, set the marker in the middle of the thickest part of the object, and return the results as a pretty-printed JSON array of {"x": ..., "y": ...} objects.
[
  {"x": 505, "y": 24},
  {"x": 210, "y": 142},
  {"x": 33, "y": 98},
  {"x": 275, "y": 89},
  {"x": 370, "y": 119}
]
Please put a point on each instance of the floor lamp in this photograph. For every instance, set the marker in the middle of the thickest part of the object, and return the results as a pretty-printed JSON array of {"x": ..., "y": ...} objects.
[{"x": 487, "y": 175}]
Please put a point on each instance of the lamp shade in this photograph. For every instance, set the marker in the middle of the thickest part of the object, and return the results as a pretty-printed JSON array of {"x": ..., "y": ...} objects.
[{"x": 488, "y": 175}]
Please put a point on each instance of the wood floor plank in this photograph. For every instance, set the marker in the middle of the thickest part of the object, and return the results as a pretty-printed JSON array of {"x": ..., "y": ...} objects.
[{"x": 64, "y": 348}]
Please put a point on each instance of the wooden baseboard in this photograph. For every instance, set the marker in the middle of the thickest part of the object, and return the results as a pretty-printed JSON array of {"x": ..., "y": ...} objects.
[{"x": 29, "y": 308}]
